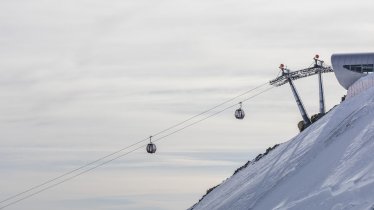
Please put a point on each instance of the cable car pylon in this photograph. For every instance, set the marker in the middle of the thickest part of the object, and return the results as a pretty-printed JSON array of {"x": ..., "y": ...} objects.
[
  {"x": 288, "y": 76},
  {"x": 300, "y": 105},
  {"x": 319, "y": 63}
]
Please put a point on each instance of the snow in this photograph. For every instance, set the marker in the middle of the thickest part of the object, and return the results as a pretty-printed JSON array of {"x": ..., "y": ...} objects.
[
  {"x": 330, "y": 165},
  {"x": 360, "y": 85}
]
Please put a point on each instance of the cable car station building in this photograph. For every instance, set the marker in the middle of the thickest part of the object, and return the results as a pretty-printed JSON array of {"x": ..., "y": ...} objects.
[{"x": 354, "y": 71}]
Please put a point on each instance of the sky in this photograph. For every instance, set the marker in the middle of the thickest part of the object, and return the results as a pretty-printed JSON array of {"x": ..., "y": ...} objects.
[{"x": 81, "y": 79}]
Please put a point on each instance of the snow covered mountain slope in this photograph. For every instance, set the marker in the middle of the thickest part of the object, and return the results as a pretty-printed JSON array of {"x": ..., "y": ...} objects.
[{"x": 330, "y": 165}]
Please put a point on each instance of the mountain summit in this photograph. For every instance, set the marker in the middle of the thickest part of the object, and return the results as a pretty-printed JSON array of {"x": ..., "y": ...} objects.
[{"x": 330, "y": 165}]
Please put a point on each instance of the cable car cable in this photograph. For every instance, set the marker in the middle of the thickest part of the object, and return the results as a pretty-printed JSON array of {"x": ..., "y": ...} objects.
[
  {"x": 118, "y": 151},
  {"x": 72, "y": 171},
  {"x": 212, "y": 115},
  {"x": 135, "y": 143},
  {"x": 208, "y": 110},
  {"x": 122, "y": 155},
  {"x": 69, "y": 178}
]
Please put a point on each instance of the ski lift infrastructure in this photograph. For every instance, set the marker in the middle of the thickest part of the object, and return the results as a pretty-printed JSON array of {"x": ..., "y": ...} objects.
[
  {"x": 151, "y": 147},
  {"x": 239, "y": 113},
  {"x": 287, "y": 76}
]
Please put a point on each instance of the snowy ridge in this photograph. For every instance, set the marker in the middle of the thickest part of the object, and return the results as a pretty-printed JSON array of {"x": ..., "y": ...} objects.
[{"x": 330, "y": 165}]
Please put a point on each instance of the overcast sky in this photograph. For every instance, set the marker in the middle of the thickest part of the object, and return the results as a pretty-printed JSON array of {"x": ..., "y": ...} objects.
[{"x": 82, "y": 78}]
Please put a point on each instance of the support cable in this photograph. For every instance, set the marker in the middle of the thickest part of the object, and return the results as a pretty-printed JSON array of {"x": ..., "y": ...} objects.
[
  {"x": 137, "y": 148},
  {"x": 127, "y": 147}
]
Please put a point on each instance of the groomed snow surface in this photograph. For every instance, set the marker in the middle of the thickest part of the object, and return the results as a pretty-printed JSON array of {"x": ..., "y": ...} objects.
[{"x": 330, "y": 165}]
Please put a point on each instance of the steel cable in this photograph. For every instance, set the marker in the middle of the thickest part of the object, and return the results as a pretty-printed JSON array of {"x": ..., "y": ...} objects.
[{"x": 137, "y": 148}]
